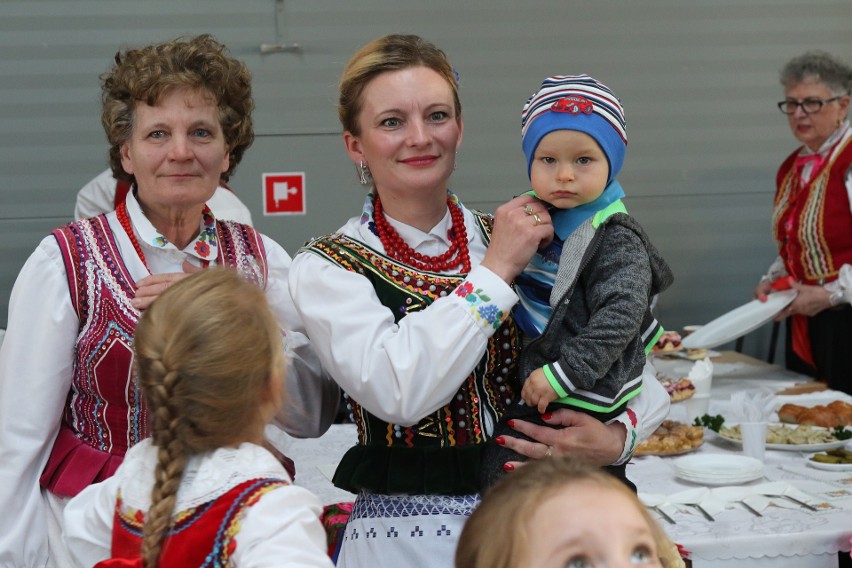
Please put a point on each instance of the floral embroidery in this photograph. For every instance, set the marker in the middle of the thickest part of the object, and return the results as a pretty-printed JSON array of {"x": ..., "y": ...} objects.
[
  {"x": 489, "y": 313},
  {"x": 478, "y": 301},
  {"x": 203, "y": 249},
  {"x": 160, "y": 241},
  {"x": 632, "y": 417},
  {"x": 634, "y": 420},
  {"x": 464, "y": 289}
]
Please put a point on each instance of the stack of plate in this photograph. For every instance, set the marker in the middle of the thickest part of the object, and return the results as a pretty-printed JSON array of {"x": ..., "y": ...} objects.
[{"x": 718, "y": 469}]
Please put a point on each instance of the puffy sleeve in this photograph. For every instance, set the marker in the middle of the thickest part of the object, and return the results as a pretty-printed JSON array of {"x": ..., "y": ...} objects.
[
  {"x": 36, "y": 362},
  {"x": 89, "y": 520},
  {"x": 283, "y": 524},
  {"x": 313, "y": 398},
  {"x": 644, "y": 413},
  {"x": 402, "y": 371}
]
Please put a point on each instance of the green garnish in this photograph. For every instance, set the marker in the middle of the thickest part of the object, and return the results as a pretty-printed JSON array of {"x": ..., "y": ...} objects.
[
  {"x": 715, "y": 422},
  {"x": 841, "y": 433}
]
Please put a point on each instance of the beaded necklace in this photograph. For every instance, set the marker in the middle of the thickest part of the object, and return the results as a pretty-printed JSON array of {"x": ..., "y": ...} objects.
[
  {"x": 456, "y": 256},
  {"x": 124, "y": 220}
]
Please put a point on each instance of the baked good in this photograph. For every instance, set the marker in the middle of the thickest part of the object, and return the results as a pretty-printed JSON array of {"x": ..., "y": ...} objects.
[
  {"x": 696, "y": 354},
  {"x": 837, "y": 413},
  {"x": 843, "y": 410},
  {"x": 671, "y": 437},
  {"x": 669, "y": 341},
  {"x": 678, "y": 389},
  {"x": 789, "y": 413},
  {"x": 819, "y": 416}
]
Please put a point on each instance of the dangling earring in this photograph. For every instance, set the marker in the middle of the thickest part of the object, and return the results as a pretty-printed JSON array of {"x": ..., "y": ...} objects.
[
  {"x": 364, "y": 174},
  {"x": 456, "y": 161}
]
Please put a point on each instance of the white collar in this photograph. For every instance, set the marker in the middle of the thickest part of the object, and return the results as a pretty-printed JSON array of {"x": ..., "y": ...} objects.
[{"x": 204, "y": 247}]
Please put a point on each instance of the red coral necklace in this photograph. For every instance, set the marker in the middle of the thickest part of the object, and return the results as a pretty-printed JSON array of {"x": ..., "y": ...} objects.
[
  {"x": 457, "y": 255},
  {"x": 124, "y": 220}
]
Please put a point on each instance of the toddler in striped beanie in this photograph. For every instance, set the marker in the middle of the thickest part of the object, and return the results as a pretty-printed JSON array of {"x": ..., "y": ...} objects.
[{"x": 584, "y": 299}]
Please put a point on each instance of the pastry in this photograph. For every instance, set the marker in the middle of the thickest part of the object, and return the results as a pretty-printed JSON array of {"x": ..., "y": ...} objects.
[
  {"x": 678, "y": 389},
  {"x": 669, "y": 341},
  {"x": 671, "y": 438},
  {"x": 837, "y": 413}
]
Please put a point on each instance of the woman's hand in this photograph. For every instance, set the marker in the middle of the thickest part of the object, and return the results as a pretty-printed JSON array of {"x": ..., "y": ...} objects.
[
  {"x": 521, "y": 227},
  {"x": 583, "y": 437},
  {"x": 809, "y": 301},
  {"x": 764, "y": 288},
  {"x": 150, "y": 287}
]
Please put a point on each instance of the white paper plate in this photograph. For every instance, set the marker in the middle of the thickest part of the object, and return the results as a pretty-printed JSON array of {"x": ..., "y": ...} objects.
[
  {"x": 713, "y": 480},
  {"x": 739, "y": 321},
  {"x": 828, "y": 466},
  {"x": 792, "y": 447},
  {"x": 718, "y": 469}
]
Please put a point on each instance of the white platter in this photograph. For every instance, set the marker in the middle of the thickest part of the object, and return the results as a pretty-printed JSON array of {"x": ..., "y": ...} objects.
[
  {"x": 791, "y": 447},
  {"x": 738, "y": 321},
  {"x": 828, "y": 466}
]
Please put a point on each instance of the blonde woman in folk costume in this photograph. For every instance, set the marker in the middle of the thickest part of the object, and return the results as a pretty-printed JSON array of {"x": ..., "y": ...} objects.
[{"x": 409, "y": 307}]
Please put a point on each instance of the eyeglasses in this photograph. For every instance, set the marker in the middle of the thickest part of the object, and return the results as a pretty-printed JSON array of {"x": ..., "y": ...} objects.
[{"x": 809, "y": 106}]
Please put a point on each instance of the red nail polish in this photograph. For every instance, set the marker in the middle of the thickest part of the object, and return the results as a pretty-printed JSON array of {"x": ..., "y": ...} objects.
[
  {"x": 547, "y": 416},
  {"x": 500, "y": 440},
  {"x": 511, "y": 423},
  {"x": 508, "y": 467}
]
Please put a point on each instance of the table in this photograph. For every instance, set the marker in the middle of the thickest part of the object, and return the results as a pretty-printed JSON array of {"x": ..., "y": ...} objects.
[
  {"x": 795, "y": 537},
  {"x": 778, "y": 536}
]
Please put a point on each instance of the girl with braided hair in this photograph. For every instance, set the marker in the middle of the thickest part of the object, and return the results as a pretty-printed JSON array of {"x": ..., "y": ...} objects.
[{"x": 203, "y": 490}]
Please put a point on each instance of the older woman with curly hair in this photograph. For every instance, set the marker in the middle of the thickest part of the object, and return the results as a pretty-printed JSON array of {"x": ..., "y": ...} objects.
[
  {"x": 812, "y": 219},
  {"x": 178, "y": 119}
]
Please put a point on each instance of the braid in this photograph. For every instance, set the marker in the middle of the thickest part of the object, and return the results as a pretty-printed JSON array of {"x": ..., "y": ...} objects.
[
  {"x": 207, "y": 351},
  {"x": 171, "y": 460}
]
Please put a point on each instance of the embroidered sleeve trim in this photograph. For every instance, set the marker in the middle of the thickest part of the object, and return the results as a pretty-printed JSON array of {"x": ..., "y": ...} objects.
[{"x": 630, "y": 421}]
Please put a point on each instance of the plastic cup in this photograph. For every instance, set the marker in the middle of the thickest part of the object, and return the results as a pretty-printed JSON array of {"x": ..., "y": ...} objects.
[
  {"x": 754, "y": 439},
  {"x": 696, "y": 406}
]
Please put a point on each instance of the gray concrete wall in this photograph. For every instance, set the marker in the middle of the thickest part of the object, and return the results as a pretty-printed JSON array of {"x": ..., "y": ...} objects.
[{"x": 698, "y": 80}]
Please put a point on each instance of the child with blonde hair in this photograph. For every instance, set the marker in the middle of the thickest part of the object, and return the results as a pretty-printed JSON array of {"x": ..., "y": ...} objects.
[
  {"x": 203, "y": 490},
  {"x": 558, "y": 512}
]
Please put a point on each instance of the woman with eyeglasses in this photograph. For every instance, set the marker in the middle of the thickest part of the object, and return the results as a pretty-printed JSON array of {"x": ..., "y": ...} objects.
[{"x": 812, "y": 220}]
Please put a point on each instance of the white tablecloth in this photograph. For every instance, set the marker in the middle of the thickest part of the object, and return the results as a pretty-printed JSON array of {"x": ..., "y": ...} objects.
[
  {"x": 790, "y": 536},
  {"x": 782, "y": 538}
]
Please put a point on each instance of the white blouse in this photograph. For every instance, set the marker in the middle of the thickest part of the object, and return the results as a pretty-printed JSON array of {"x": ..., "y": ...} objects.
[
  {"x": 281, "y": 528},
  {"x": 403, "y": 371},
  {"x": 36, "y": 361}
]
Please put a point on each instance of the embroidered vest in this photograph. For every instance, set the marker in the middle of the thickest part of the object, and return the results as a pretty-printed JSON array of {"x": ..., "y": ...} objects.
[
  {"x": 204, "y": 536},
  {"x": 441, "y": 453},
  {"x": 813, "y": 224},
  {"x": 105, "y": 413}
]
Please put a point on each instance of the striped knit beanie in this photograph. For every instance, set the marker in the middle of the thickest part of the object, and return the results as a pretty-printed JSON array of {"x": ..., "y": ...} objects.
[{"x": 575, "y": 102}]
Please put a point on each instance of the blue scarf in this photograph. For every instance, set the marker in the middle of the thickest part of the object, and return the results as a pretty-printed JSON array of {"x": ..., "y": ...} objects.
[{"x": 535, "y": 283}]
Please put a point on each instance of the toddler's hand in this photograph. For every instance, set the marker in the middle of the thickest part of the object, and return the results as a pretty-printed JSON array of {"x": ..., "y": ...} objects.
[{"x": 537, "y": 391}]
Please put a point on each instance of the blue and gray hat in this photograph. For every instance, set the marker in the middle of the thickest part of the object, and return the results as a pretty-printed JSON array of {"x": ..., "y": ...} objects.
[{"x": 576, "y": 102}]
